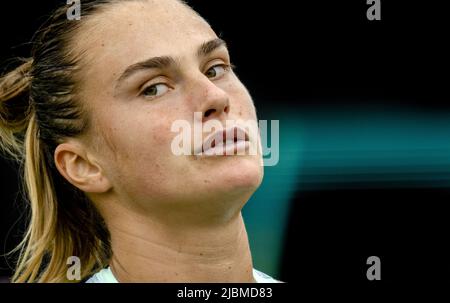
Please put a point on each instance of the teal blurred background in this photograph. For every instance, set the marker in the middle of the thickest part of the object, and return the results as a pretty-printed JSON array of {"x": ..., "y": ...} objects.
[{"x": 337, "y": 146}]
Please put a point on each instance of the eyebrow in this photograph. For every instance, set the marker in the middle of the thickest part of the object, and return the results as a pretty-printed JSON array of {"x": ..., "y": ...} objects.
[{"x": 164, "y": 62}]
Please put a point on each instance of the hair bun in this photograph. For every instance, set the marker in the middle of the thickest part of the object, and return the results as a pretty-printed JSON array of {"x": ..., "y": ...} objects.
[{"x": 15, "y": 106}]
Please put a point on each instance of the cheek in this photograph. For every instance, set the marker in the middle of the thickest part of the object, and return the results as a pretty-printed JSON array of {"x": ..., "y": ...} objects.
[
  {"x": 143, "y": 132},
  {"x": 145, "y": 165},
  {"x": 242, "y": 105},
  {"x": 138, "y": 142}
]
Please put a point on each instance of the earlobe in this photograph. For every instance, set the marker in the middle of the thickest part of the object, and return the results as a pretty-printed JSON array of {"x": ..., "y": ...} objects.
[{"x": 75, "y": 166}]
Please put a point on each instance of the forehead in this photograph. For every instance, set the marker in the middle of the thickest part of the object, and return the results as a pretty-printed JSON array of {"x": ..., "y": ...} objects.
[{"x": 132, "y": 31}]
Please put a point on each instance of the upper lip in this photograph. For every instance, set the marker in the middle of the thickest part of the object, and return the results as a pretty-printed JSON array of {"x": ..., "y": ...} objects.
[{"x": 233, "y": 134}]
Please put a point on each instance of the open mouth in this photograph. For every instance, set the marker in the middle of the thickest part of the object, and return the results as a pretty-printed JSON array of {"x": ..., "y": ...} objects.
[{"x": 226, "y": 142}]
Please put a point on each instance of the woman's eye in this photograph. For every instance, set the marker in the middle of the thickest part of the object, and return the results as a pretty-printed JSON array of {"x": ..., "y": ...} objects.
[
  {"x": 155, "y": 90},
  {"x": 216, "y": 71}
]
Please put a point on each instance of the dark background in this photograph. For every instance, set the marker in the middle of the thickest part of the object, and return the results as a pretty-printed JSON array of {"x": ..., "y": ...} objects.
[{"x": 303, "y": 59}]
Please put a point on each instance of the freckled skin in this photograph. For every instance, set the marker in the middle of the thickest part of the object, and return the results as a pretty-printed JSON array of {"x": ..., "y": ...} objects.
[
  {"x": 142, "y": 133},
  {"x": 166, "y": 199}
]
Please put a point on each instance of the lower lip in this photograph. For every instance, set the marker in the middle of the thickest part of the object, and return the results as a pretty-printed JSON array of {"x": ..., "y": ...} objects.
[{"x": 235, "y": 148}]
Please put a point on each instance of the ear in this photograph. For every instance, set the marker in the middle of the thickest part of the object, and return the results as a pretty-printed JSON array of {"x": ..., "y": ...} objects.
[{"x": 80, "y": 170}]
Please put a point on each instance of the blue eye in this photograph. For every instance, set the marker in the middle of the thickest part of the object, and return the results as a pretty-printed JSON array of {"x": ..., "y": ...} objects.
[
  {"x": 155, "y": 90},
  {"x": 217, "y": 71}
]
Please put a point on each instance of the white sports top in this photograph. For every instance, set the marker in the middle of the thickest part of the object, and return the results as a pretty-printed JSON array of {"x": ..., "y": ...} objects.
[{"x": 106, "y": 276}]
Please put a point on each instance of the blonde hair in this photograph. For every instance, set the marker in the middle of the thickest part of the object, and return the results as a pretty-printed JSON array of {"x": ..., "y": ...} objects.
[{"x": 38, "y": 110}]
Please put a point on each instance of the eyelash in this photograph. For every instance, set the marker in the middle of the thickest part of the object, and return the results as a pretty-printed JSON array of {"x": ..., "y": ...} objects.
[{"x": 226, "y": 67}]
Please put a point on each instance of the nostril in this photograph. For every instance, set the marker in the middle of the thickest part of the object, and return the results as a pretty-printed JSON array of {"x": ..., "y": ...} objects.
[{"x": 209, "y": 112}]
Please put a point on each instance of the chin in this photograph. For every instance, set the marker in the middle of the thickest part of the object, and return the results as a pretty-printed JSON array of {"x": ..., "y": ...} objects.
[{"x": 245, "y": 174}]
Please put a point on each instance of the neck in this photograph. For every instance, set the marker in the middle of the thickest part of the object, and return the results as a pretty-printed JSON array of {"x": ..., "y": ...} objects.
[{"x": 147, "y": 250}]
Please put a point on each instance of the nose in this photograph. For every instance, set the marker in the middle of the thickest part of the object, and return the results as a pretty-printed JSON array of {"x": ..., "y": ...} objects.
[{"x": 214, "y": 102}]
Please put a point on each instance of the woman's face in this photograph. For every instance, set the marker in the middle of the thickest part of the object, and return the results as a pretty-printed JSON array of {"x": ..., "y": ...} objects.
[{"x": 133, "y": 112}]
